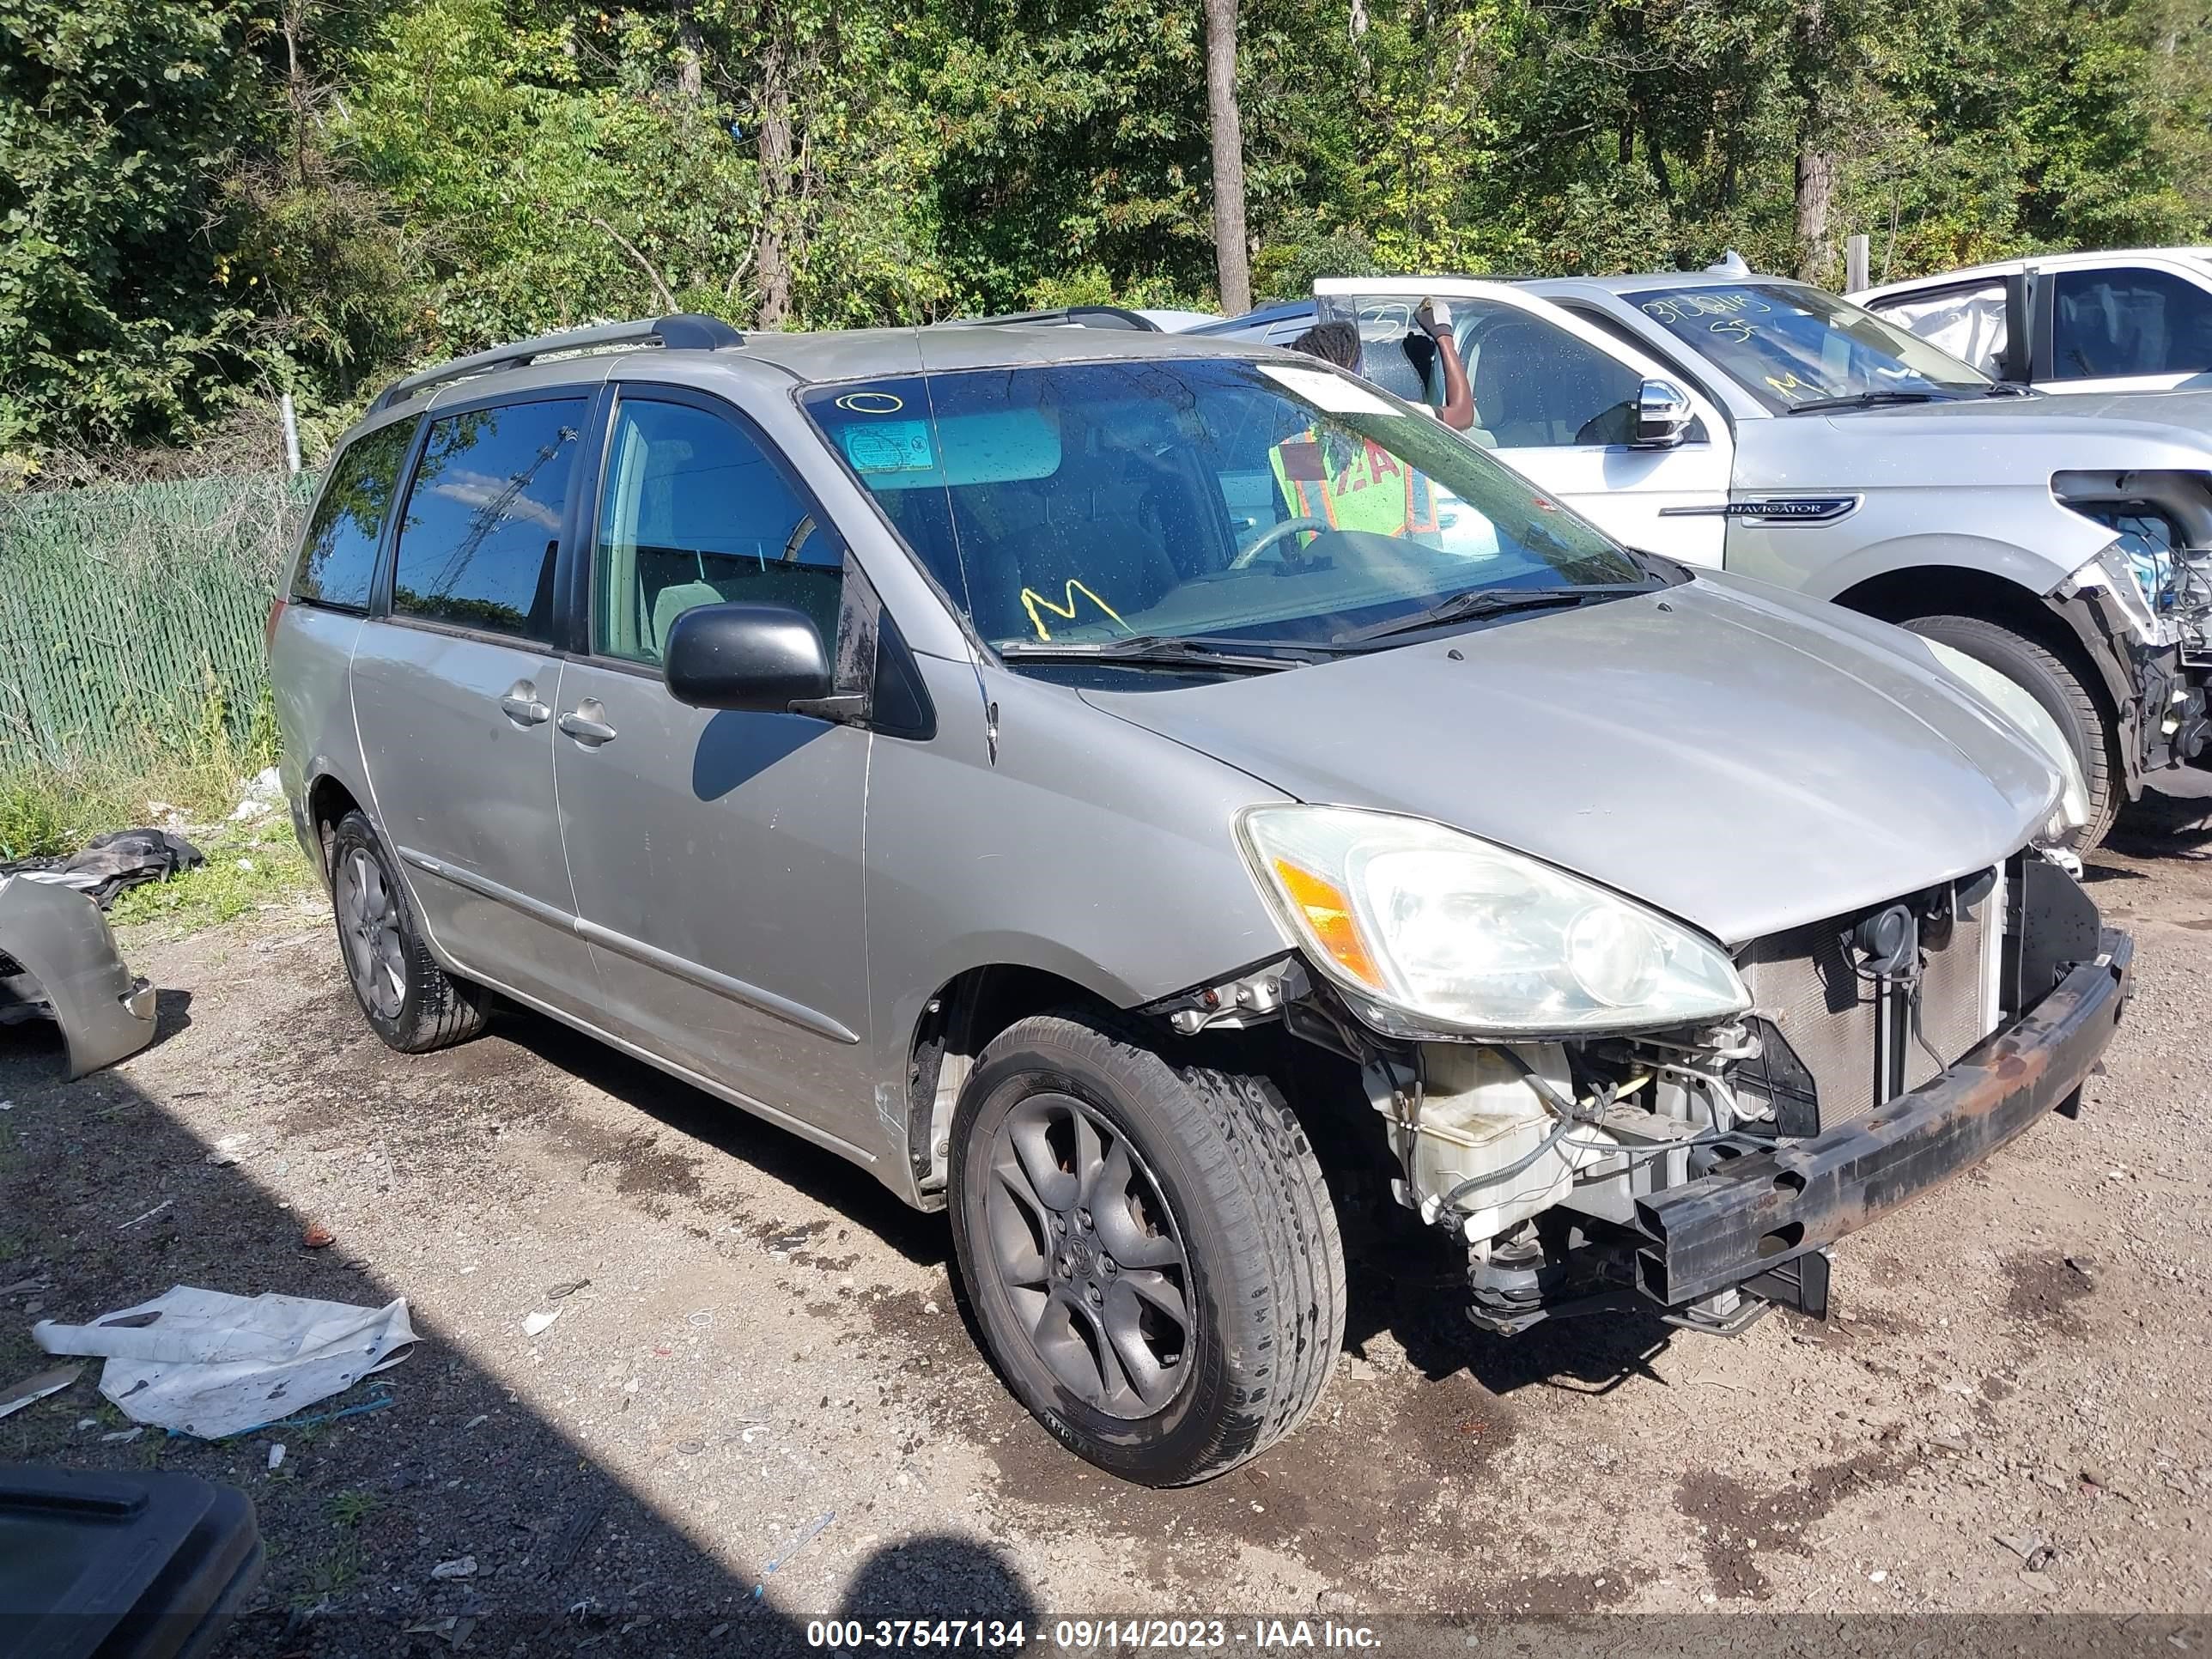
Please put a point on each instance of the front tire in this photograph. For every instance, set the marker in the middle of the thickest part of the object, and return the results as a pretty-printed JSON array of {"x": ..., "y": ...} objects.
[
  {"x": 2065, "y": 695},
  {"x": 409, "y": 1001},
  {"x": 1149, "y": 1248}
]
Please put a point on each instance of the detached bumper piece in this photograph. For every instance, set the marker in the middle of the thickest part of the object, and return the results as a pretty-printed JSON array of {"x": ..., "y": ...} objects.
[
  {"x": 1762, "y": 1212},
  {"x": 59, "y": 958}
]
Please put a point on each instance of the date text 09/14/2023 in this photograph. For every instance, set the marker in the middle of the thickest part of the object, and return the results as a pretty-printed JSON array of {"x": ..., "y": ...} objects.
[{"x": 1090, "y": 1635}]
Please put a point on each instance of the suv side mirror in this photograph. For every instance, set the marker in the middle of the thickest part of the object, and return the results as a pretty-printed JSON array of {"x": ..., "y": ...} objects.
[
  {"x": 1662, "y": 414},
  {"x": 758, "y": 658}
]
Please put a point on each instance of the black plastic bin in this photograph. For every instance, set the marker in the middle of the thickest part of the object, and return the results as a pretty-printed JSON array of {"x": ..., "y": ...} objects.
[{"x": 95, "y": 1565}]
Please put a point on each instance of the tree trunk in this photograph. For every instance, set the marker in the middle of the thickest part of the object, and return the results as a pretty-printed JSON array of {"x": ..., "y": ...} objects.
[
  {"x": 298, "y": 94},
  {"x": 1816, "y": 177},
  {"x": 775, "y": 188},
  {"x": 1819, "y": 74},
  {"x": 1231, "y": 254},
  {"x": 690, "y": 49}
]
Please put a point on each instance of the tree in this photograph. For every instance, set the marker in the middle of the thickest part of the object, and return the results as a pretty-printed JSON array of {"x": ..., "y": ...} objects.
[
  {"x": 1233, "y": 257},
  {"x": 122, "y": 318}
]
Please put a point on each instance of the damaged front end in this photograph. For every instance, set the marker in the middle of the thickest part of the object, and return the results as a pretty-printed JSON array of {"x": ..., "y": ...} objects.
[
  {"x": 1697, "y": 1168},
  {"x": 58, "y": 961},
  {"x": 2142, "y": 610}
]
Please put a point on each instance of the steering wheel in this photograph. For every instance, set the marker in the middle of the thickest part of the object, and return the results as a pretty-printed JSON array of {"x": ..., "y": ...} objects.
[{"x": 1261, "y": 545}]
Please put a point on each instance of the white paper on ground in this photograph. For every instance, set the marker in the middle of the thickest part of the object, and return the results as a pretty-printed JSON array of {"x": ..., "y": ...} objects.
[{"x": 214, "y": 1364}]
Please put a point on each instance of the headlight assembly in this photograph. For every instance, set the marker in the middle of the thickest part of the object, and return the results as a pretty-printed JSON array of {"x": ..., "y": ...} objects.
[{"x": 1429, "y": 930}]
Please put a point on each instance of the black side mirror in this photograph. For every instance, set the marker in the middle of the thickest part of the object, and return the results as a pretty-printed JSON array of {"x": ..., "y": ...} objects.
[{"x": 759, "y": 658}]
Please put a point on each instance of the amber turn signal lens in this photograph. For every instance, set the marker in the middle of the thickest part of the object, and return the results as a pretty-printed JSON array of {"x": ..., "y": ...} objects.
[{"x": 1327, "y": 914}]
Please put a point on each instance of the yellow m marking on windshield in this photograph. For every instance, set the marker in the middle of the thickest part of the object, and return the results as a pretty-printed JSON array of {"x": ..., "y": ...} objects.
[{"x": 1033, "y": 601}]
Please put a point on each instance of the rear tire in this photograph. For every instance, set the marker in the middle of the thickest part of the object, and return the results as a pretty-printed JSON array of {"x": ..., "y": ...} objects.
[
  {"x": 1149, "y": 1250},
  {"x": 2065, "y": 697},
  {"x": 409, "y": 1001}
]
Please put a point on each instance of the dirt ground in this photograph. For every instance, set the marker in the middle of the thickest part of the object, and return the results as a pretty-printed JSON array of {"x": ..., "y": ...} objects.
[{"x": 764, "y": 1337}]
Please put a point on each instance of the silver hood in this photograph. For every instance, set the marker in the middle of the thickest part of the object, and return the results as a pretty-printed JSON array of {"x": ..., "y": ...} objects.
[
  {"x": 1740, "y": 757},
  {"x": 2191, "y": 411}
]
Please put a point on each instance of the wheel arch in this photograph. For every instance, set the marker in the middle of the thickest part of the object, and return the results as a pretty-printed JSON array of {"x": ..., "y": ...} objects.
[
  {"x": 328, "y": 800},
  {"x": 956, "y": 1024}
]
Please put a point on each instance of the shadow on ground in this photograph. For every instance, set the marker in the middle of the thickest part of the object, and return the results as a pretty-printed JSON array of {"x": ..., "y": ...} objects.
[{"x": 568, "y": 1558}]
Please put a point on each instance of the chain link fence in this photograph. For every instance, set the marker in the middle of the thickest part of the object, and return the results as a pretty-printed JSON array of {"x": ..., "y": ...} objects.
[{"x": 131, "y": 615}]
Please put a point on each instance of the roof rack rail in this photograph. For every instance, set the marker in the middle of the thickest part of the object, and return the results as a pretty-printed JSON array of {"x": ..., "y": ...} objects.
[
  {"x": 687, "y": 331},
  {"x": 1066, "y": 317}
]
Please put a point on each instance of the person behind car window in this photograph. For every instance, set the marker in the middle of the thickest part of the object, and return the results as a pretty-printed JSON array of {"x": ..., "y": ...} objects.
[
  {"x": 1329, "y": 478},
  {"x": 1338, "y": 342}
]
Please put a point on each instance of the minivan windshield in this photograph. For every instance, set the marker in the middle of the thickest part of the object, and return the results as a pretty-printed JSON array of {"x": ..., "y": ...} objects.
[
  {"x": 1216, "y": 499},
  {"x": 1795, "y": 348}
]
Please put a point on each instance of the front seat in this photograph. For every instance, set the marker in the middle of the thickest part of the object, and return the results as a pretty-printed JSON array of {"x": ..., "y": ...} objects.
[{"x": 1510, "y": 373}]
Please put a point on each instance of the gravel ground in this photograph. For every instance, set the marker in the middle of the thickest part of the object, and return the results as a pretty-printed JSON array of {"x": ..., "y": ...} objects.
[{"x": 763, "y": 1337}]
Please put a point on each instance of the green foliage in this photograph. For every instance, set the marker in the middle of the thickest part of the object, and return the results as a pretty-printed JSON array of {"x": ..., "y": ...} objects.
[
  {"x": 118, "y": 121},
  {"x": 208, "y": 201}
]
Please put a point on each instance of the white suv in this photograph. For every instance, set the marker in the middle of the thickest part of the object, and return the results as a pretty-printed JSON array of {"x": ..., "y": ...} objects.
[{"x": 2136, "y": 321}]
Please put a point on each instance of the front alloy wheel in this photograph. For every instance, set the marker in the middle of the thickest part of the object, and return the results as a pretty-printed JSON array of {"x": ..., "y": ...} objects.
[
  {"x": 1089, "y": 1255},
  {"x": 1148, "y": 1247}
]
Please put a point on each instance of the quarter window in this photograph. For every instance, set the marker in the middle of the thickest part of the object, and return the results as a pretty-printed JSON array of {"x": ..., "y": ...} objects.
[
  {"x": 2129, "y": 321},
  {"x": 692, "y": 512},
  {"x": 477, "y": 547},
  {"x": 338, "y": 560}
]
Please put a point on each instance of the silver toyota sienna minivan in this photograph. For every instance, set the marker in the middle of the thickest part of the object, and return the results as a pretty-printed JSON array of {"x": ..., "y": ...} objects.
[{"x": 1132, "y": 793}]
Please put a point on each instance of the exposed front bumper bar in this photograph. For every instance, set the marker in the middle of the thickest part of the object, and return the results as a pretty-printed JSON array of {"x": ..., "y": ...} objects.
[{"x": 1761, "y": 1210}]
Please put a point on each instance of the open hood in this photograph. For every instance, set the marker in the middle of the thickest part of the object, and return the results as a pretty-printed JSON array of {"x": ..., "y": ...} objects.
[{"x": 1743, "y": 759}]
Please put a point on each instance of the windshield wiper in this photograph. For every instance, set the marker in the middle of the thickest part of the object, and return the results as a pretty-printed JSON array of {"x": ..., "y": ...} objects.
[
  {"x": 1490, "y": 602},
  {"x": 1170, "y": 651},
  {"x": 1870, "y": 400}
]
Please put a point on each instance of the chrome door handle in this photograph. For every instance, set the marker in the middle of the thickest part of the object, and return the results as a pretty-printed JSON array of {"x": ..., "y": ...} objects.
[
  {"x": 582, "y": 727},
  {"x": 525, "y": 711}
]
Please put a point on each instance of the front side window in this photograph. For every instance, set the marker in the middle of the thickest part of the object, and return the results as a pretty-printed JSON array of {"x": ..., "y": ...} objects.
[
  {"x": 1536, "y": 385},
  {"x": 1795, "y": 348},
  {"x": 482, "y": 527},
  {"x": 1196, "y": 497},
  {"x": 1969, "y": 323},
  {"x": 338, "y": 560},
  {"x": 2129, "y": 321},
  {"x": 692, "y": 512}
]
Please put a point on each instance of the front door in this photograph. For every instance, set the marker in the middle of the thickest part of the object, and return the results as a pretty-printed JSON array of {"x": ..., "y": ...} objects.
[
  {"x": 454, "y": 690},
  {"x": 2127, "y": 328},
  {"x": 1554, "y": 400},
  {"x": 716, "y": 854}
]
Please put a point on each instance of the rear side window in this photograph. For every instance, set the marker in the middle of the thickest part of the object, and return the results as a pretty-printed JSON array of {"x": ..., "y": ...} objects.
[
  {"x": 338, "y": 559},
  {"x": 483, "y": 518},
  {"x": 2131, "y": 320}
]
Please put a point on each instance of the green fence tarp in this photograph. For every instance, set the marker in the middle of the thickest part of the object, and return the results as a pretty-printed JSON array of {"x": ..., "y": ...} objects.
[{"x": 132, "y": 614}]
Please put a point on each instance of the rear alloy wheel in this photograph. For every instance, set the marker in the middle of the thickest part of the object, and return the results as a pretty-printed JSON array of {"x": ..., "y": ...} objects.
[
  {"x": 2065, "y": 697},
  {"x": 410, "y": 1001},
  {"x": 1149, "y": 1250}
]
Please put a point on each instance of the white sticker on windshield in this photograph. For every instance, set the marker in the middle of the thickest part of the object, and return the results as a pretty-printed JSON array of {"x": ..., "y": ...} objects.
[
  {"x": 1332, "y": 394},
  {"x": 889, "y": 447}
]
